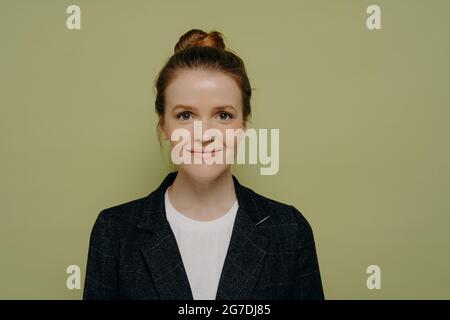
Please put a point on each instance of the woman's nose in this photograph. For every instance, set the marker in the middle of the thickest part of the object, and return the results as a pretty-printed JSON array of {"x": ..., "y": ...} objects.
[{"x": 208, "y": 131}]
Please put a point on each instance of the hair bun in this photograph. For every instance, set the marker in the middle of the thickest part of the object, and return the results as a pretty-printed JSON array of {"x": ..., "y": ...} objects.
[{"x": 197, "y": 37}]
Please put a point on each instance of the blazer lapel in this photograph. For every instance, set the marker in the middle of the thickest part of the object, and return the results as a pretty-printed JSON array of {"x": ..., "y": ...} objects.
[
  {"x": 243, "y": 262},
  {"x": 161, "y": 252},
  {"x": 246, "y": 251}
]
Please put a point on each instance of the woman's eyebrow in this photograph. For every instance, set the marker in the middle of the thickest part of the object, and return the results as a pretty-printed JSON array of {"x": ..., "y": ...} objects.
[
  {"x": 183, "y": 106},
  {"x": 224, "y": 107}
]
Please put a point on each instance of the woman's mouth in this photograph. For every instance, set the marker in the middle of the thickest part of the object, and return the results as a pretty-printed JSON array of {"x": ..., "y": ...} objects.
[{"x": 204, "y": 153}]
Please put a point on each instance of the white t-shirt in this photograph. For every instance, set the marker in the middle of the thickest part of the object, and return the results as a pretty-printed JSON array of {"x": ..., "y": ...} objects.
[{"x": 203, "y": 246}]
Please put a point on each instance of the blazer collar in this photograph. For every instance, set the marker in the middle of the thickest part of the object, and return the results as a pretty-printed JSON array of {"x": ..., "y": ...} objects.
[{"x": 243, "y": 262}]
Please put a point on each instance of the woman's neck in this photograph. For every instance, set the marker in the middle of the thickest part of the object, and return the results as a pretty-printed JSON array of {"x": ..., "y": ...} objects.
[{"x": 202, "y": 199}]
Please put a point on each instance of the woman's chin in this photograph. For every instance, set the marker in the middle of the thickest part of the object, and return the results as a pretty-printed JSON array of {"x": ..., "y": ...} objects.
[{"x": 204, "y": 171}]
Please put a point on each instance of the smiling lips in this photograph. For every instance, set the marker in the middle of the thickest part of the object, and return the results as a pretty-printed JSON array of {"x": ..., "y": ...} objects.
[{"x": 204, "y": 154}]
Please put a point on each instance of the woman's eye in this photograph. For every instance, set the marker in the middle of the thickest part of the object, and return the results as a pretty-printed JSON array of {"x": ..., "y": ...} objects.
[
  {"x": 223, "y": 115},
  {"x": 183, "y": 114}
]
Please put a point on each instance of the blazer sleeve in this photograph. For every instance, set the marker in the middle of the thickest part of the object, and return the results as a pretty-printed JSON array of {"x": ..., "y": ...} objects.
[
  {"x": 102, "y": 267},
  {"x": 307, "y": 279}
]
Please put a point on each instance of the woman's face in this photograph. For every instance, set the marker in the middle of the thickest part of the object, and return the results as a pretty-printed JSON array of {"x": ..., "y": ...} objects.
[{"x": 214, "y": 100}]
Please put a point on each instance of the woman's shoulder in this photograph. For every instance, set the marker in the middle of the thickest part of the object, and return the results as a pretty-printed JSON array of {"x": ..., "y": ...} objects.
[
  {"x": 121, "y": 215},
  {"x": 281, "y": 212},
  {"x": 285, "y": 220}
]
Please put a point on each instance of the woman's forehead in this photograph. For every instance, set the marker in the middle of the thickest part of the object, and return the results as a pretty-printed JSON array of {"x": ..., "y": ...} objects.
[{"x": 203, "y": 88}]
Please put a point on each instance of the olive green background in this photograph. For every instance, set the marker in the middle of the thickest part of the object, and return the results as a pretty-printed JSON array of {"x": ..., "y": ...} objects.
[{"x": 363, "y": 118}]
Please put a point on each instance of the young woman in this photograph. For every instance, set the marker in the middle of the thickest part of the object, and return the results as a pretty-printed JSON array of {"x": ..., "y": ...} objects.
[{"x": 201, "y": 234}]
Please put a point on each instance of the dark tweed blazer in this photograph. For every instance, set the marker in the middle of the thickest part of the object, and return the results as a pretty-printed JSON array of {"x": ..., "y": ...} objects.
[{"x": 133, "y": 253}]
